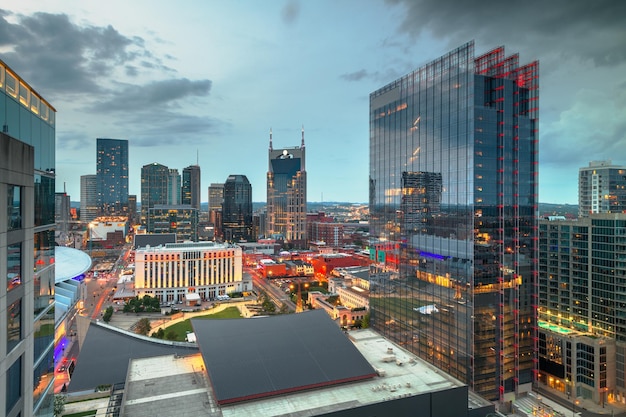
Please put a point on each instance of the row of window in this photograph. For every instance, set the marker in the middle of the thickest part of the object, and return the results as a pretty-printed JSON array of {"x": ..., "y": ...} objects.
[{"x": 21, "y": 92}]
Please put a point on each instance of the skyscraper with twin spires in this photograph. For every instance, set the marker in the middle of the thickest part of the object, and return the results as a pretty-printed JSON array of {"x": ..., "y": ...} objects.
[
  {"x": 286, "y": 193},
  {"x": 453, "y": 204}
]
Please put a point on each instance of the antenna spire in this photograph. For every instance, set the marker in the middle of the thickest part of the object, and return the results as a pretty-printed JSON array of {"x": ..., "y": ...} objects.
[
  {"x": 271, "y": 148},
  {"x": 302, "y": 146}
]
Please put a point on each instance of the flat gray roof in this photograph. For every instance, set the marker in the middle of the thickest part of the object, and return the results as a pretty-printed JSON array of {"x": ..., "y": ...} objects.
[
  {"x": 261, "y": 357},
  {"x": 105, "y": 355}
]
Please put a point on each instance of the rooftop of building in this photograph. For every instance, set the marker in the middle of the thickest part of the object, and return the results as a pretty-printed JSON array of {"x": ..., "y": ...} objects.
[
  {"x": 165, "y": 385},
  {"x": 171, "y": 384},
  {"x": 175, "y": 247},
  {"x": 106, "y": 351},
  {"x": 69, "y": 263},
  {"x": 270, "y": 349},
  {"x": 154, "y": 239}
]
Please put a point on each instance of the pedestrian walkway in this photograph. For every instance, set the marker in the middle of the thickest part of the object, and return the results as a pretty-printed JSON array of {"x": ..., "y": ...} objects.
[{"x": 577, "y": 405}]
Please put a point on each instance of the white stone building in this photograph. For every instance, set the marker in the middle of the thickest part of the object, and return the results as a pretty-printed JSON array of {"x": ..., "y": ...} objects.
[{"x": 172, "y": 271}]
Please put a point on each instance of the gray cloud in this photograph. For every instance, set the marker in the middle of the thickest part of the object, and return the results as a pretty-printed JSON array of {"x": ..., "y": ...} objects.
[
  {"x": 155, "y": 94},
  {"x": 354, "y": 76},
  {"x": 559, "y": 29},
  {"x": 290, "y": 11},
  {"x": 50, "y": 50},
  {"x": 170, "y": 129},
  {"x": 72, "y": 140}
]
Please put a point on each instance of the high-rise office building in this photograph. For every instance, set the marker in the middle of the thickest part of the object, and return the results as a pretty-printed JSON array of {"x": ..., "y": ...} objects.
[
  {"x": 601, "y": 188},
  {"x": 132, "y": 208},
  {"x": 286, "y": 193},
  {"x": 216, "y": 199},
  {"x": 191, "y": 186},
  {"x": 154, "y": 183},
  {"x": 174, "y": 190},
  {"x": 181, "y": 220},
  {"x": 88, "y": 198},
  {"x": 581, "y": 297},
  {"x": 62, "y": 212},
  {"x": 237, "y": 210},
  {"x": 453, "y": 197},
  {"x": 112, "y": 173},
  {"x": 27, "y": 313}
]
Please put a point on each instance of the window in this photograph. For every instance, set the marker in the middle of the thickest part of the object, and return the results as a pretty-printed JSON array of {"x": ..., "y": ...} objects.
[
  {"x": 14, "y": 266},
  {"x": 14, "y": 384},
  {"x": 11, "y": 84},
  {"x": 14, "y": 207},
  {"x": 14, "y": 324}
]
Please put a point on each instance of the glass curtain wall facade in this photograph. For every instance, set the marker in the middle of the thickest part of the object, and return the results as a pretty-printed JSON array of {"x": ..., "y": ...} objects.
[
  {"x": 88, "y": 198},
  {"x": 453, "y": 198},
  {"x": 286, "y": 194},
  {"x": 112, "y": 174},
  {"x": 191, "y": 186},
  {"x": 237, "y": 210},
  {"x": 174, "y": 188},
  {"x": 154, "y": 186},
  {"x": 27, "y": 190}
]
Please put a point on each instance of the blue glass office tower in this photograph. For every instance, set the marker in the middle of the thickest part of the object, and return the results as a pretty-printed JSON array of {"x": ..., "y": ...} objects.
[
  {"x": 154, "y": 187},
  {"x": 453, "y": 202},
  {"x": 237, "y": 210},
  {"x": 112, "y": 176},
  {"x": 27, "y": 314}
]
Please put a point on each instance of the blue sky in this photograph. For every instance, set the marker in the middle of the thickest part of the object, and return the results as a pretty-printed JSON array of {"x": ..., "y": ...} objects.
[{"x": 207, "y": 80}]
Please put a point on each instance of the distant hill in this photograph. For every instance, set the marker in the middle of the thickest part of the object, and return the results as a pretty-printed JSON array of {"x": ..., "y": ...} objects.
[
  {"x": 544, "y": 208},
  {"x": 558, "y": 209}
]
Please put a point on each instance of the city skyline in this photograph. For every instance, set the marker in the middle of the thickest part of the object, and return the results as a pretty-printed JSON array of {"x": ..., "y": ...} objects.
[{"x": 199, "y": 82}]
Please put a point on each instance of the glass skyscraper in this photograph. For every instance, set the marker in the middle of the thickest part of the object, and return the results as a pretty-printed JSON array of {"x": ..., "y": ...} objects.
[
  {"x": 237, "y": 209},
  {"x": 453, "y": 202},
  {"x": 191, "y": 186},
  {"x": 286, "y": 193},
  {"x": 112, "y": 175},
  {"x": 154, "y": 186},
  {"x": 27, "y": 190}
]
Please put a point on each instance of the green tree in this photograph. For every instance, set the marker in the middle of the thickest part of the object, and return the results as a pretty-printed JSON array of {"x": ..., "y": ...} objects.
[
  {"x": 59, "y": 405},
  {"x": 171, "y": 335},
  {"x": 108, "y": 313},
  {"x": 366, "y": 321},
  {"x": 143, "y": 326}
]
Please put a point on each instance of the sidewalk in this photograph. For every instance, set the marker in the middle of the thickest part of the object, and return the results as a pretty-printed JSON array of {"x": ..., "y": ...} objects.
[{"x": 549, "y": 397}]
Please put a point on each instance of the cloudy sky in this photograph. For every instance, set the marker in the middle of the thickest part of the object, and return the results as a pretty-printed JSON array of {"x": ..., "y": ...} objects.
[{"x": 205, "y": 81}]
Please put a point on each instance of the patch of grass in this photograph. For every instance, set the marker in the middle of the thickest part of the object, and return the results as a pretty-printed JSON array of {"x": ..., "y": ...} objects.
[
  {"x": 183, "y": 327},
  {"x": 90, "y": 413}
]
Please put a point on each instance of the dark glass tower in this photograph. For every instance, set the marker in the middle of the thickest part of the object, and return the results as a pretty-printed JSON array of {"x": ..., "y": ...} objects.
[
  {"x": 112, "y": 176},
  {"x": 191, "y": 186},
  {"x": 453, "y": 200},
  {"x": 286, "y": 193},
  {"x": 154, "y": 182},
  {"x": 237, "y": 209},
  {"x": 27, "y": 259}
]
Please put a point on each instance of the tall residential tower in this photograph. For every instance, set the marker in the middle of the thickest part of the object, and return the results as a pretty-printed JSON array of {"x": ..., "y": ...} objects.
[
  {"x": 601, "y": 188},
  {"x": 286, "y": 193},
  {"x": 453, "y": 202}
]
